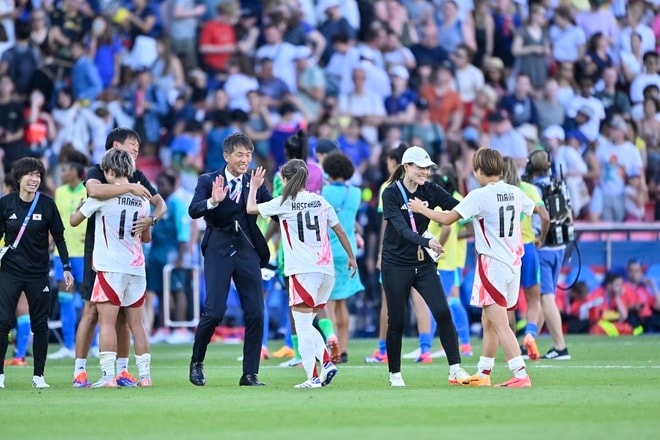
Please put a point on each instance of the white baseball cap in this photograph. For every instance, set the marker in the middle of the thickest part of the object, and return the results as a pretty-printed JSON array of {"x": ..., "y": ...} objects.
[
  {"x": 554, "y": 132},
  {"x": 418, "y": 156}
]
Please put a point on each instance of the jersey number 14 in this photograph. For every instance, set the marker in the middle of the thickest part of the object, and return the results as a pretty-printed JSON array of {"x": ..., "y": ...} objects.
[{"x": 311, "y": 223}]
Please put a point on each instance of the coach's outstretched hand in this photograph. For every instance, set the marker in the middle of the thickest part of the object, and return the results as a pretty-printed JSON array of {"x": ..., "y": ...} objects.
[
  {"x": 258, "y": 176},
  {"x": 219, "y": 190}
]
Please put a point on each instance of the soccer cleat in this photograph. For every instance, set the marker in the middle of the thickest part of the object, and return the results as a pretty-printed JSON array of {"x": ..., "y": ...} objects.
[
  {"x": 144, "y": 382},
  {"x": 125, "y": 379},
  {"x": 333, "y": 345},
  {"x": 424, "y": 358},
  {"x": 476, "y": 381},
  {"x": 39, "y": 382},
  {"x": 396, "y": 380},
  {"x": 466, "y": 350},
  {"x": 264, "y": 354},
  {"x": 557, "y": 355},
  {"x": 376, "y": 358},
  {"x": 63, "y": 353},
  {"x": 284, "y": 352},
  {"x": 439, "y": 354},
  {"x": 516, "y": 382},
  {"x": 2, "y": 380},
  {"x": 17, "y": 362},
  {"x": 314, "y": 382},
  {"x": 413, "y": 354},
  {"x": 81, "y": 381},
  {"x": 293, "y": 362},
  {"x": 532, "y": 350},
  {"x": 328, "y": 372},
  {"x": 106, "y": 383},
  {"x": 458, "y": 376}
]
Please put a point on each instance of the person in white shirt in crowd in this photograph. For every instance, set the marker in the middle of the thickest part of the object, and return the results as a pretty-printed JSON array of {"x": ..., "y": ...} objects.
[
  {"x": 568, "y": 40},
  {"x": 468, "y": 78},
  {"x": 339, "y": 70},
  {"x": 618, "y": 159},
  {"x": 311, "y": 82},
  {"x": 378, "y": 82},
  {"x": 396, "y": 54},
  {"x": 614, "y": 100},
  {"x": 598, "y": 19},
  {"x": 568, "y": 162},
  {"x": 635, "y": 26},
  {"x": 332, "y": 23},
  {"x": 240, "y": 82},
  {"x": 631, "y": 60},
  {"x": 588, "y": 105},
  {"x": 652, "y": 91},
  {"x": 282, "y": 53},
  {"x": 505, "y": 139},
  {"x": 549, "y": 110},
  {"x": 374, "y": 42},
  {"x": 650, "y": 76},
  {"x": 365, "y": 104}
]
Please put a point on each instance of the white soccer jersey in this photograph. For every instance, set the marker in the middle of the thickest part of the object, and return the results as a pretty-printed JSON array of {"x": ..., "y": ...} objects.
[
  {"x": 496, "y": 208},
  {"x": 304, "y": 228},
  {"x": 115, "y": 248}
]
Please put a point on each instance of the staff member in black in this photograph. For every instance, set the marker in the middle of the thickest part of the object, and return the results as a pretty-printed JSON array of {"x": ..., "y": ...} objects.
[
  {"x": 406, "y": 264},
  {"x": 233, "y": 247},
  {"x": 25, "y": 268}
]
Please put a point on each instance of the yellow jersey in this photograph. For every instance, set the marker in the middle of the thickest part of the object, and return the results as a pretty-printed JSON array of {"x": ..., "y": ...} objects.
[
  {"x": 526, "y": 226},
  {"x": 66, "y": 200}
]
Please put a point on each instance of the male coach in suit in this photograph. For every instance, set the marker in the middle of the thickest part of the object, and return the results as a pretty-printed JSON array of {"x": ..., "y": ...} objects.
[{"x": 233, "y": 247}]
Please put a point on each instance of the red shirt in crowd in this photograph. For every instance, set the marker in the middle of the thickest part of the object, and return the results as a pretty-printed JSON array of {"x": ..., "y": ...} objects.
[{"x": 217, "y": 33}]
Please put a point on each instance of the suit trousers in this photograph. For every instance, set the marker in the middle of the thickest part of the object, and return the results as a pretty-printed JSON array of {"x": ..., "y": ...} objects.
[{"x": 219, "y": 270}]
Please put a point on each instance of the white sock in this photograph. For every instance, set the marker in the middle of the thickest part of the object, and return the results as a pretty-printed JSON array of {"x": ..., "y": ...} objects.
[
  {"x": 485, "y": 366},
  {"x": 143, "y": 362},
  {"x": 319, "y": 345},
  {"x": 122, "y": 364},
  {"x": 81, "y": 367},
  {"x": 454, "y": 368},
  {"x": 107, "y": 360},
  {"x": 517, "y": 367},
  {"x": 306, "y": 345}
]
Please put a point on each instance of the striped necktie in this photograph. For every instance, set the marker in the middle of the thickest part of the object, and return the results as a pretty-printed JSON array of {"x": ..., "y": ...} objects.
[{"x": 235, "y": 190}]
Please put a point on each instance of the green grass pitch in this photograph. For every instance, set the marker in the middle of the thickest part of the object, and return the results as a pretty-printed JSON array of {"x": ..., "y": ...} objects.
[{"x": 610, "y": 390}]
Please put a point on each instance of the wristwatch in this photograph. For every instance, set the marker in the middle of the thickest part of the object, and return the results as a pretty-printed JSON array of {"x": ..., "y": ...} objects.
[
  {"x": 154, "y": 220},
  {"x": 66, "y": 268}
]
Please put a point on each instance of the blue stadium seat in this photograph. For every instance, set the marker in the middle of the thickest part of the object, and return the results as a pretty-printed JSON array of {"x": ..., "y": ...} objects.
[{"x": 653, "y": 272}]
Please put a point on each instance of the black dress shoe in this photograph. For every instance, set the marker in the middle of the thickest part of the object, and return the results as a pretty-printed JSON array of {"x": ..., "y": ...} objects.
[
  {"x": 197, "y": 374},
  {"x": 250, "y": 380}
]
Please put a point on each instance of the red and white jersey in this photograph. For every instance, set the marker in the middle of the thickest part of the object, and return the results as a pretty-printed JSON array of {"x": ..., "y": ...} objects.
[
  {"x": 304, "y": 225},
  {"x": 496, "y": 209},
  {"x": 116, "y": 249}
]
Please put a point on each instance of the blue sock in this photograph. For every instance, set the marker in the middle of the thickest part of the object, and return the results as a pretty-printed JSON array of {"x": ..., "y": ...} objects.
[
  {"x": 425, "y": 342},
  {"x": 460, "y": 318},
  {"x": 68, "y": 317},
  {"x": 382, "y": 346},
  {"x": 22, "y": 335},
  {"x": 264, "y": 338},
  {"x": 532, "y": 329}
]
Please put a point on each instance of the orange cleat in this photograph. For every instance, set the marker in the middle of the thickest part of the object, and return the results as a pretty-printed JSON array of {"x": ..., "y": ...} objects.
[
  {"x": 284, "y": 352},
  {"x": 333, "y": 345},
  {"x": 17, "y": 362},
  {"x": 532, "y": 350},
  {"x": 516, "y": 382},
  {"x": 476, "y": 381}
]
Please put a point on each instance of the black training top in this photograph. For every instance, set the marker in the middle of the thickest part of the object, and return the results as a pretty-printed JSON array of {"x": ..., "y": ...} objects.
[
  {"x": 31, "y": 257},
  {"x": 96, "y": 173},
  {"x": 400, "y": 243}
]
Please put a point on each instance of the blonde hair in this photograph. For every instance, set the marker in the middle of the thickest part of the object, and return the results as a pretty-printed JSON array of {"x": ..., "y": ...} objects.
[
  {"x": 510, "y": 174},
  {"x": 119, "y": 161}
]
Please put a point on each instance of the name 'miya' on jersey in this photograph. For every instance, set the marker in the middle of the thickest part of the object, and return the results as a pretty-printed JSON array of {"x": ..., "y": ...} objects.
[
  {"x": 116, "y": 249},
  {"x": 304, "y": 223},
  {"x": 496, "y": 209}
]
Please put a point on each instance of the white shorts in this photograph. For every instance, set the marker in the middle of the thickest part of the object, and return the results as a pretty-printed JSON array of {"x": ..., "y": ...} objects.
[
  {"x": 312, "y": 289},
  {"x": 120, "y": 289},
  {"x": 495, "y": 283}
]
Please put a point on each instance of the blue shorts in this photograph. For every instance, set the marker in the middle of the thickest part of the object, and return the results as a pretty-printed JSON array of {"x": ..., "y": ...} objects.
[
  {"x": 77, "y": 268},
  {"x": 530, "y": 272},
  {"x": 551, "y": 261},
  {"x": 449, "y": 279}
]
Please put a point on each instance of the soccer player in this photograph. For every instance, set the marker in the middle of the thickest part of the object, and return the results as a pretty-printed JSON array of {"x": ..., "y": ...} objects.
[
  {"x": 495, "y": 208},
  {"x": 119, "y": 264},
  {"x": 67, "y": 198},
  {"x": 304, "y": 219}
]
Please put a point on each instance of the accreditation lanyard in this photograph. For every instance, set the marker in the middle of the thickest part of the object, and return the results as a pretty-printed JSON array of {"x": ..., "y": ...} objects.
[
  {"x": 25, "y": 222},
  {"x": 413, "y": 225}
]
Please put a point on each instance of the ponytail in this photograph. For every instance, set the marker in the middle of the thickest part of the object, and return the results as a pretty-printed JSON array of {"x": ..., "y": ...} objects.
[
  {"x": 397, "y": 174},
  {"x": 295, "y": 172},
  {"x": 297, "y": 146}
]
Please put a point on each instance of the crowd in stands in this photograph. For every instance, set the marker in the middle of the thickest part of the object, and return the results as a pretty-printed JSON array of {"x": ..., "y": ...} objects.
[{"x": 578, "y": 78}]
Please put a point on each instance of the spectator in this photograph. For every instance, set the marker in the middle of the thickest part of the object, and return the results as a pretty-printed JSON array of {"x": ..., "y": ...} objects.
[
  {"x": 469, "y": 79},
  {"x": 85, "y": 78},
  {"x": 147, "y": 105},
  {"x": 568, "y": 40},
  {"x": 290, "y": 121},
  {"x": 506, "y": 140},
  {"x": 365, "y": 105},
  {"x": 531, "y": 47},
  {"x": 183, "y": 16},
  {"x": 649, "y": 130},
  {"x": 454, "y": 30},
  {"x": 40, "y": 129},
  {"x": 634, "y": 26},
  {"x": 281, "y": 53},
  {"x": 598, "y": 50},
  {"x": 39, "y": 33},
  {"x": 221, "y": 129},
  {"x": 400, "y": 105},
  {"x": 646, "y": 297},
  {"x": 531, "y": 135},
  {"x": 548, "y": 109},
  {"x": 520, "y": 105},
  {"x": 105, "y": 49},
  {"x": 217, "y": 39},
  {"x": 271, "y": 87},
  {"x": 247, "y": 32},
  {"x": 427, "y": 51},
  {"x": 578, "y": 314},
  {"x": 444, "y": 103},
  {"x": 334, "y": 25},
  {"x": 12, "y": 123},
  {"x": 636, "y": 197},
  {"x": 483, "y": 105},
  {"x": 566, "y": 83},
  {"x": 339, "y": 69},
  {"x": 167, "y": 71},
  {"x": 631, "y": 60},
  {"x": 377, "y": 82},
  {"x": 431, "y": 135},
  {"x": 590, "y": 107},
  {"x": 650, "y": 76},
  {"x": 395, "y": 53},
  {"x": 298, "y": 32},
  {"x": 311, "y": 83},
  {"x": 352, "y": 144},
  {"x": 609, "y": 312},
  {"x": 484, "y": 31},
  {"x": 21, "y": 61},
  {"x": 258, "y": 127},
  {"x": 598, "y": 19},
  {"x": 506, "y": 21},
  {"x": 67, "y": 25},
  {"x": 374, "y": 42},
  {"x": 419, "y": 12},
  {"x": 399, "y": 25},
  {"x": 614, "y": 100},
  {"x": 240, "y": 82},
  {"x": 494, "y": 75}
]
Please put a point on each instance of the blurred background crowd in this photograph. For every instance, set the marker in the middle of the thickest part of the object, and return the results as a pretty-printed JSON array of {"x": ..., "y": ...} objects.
[{"x": 578, "y": 78}]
